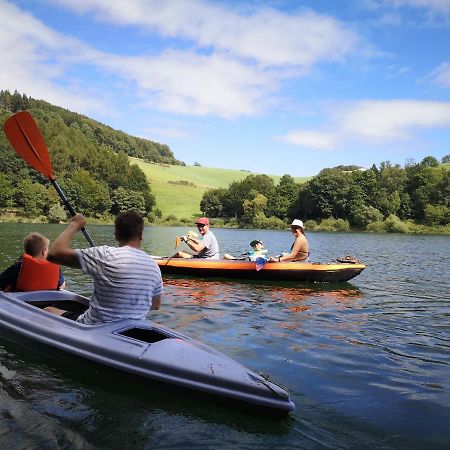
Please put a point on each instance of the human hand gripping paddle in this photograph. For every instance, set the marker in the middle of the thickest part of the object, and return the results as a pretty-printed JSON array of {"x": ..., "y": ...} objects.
[
  {"x": 27, "y": 140},
  {"x": 189, "y": 235}
]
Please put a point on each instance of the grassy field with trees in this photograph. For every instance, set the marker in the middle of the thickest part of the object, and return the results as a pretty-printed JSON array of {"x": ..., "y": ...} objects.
[
  {"x": 414, "y": 198},
  {"x": 178, "y": 189}
]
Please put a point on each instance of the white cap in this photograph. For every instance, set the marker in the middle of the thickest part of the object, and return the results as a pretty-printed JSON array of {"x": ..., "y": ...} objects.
[{"x": 297, "y": 223}]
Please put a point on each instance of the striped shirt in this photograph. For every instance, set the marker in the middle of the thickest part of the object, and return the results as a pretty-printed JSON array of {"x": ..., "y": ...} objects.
[{"x": 125, "y": 280}]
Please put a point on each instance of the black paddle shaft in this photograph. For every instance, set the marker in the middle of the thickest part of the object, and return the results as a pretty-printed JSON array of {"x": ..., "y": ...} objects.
[{"x": 71, "y": 210}]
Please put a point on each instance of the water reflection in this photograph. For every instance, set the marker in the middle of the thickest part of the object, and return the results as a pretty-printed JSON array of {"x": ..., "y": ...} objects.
[{"x": 215, "y": 299}]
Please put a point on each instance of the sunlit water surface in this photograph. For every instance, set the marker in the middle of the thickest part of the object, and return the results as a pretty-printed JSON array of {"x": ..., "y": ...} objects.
[{"x": 367, "y": 363}]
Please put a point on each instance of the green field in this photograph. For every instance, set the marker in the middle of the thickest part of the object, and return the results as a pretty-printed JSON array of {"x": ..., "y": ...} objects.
[{"x": 183, "y": 201}]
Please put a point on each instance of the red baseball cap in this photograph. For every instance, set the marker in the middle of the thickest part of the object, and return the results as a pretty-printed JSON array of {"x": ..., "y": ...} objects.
[{"x": 202, "y": 221}]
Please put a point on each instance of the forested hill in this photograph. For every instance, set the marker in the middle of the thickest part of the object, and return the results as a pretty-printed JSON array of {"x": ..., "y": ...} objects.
[
  {"x": 88, "y": 158},
  {"x": 95, "y": 132}
]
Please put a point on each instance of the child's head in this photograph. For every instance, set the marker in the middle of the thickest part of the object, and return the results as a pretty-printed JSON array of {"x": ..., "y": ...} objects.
[
  {"x": 36, "y": 245},
  {"x": 256, "y": 244}
]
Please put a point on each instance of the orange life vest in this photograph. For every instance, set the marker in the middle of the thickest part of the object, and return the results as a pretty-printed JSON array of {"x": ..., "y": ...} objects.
[{"x": 37, "y": 274}]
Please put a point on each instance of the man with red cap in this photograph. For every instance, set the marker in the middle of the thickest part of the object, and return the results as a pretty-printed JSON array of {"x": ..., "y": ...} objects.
[{"x": 206, "y": 248}]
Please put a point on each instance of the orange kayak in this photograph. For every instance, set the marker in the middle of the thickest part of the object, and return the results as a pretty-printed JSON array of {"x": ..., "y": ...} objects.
[{"x": 278, "y": 271}]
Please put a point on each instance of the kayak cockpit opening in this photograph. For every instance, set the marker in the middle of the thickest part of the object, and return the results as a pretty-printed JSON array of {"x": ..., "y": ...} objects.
[
  {"x": 144, "y": 334},
  {"x": 72, "y": 306}
]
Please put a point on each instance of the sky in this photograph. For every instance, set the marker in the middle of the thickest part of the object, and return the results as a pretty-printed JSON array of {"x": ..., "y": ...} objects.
[{"x": 276, "y": 87}]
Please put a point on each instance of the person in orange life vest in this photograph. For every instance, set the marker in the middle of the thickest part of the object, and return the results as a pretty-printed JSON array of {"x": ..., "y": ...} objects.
[{"x": 32, "y": 271}]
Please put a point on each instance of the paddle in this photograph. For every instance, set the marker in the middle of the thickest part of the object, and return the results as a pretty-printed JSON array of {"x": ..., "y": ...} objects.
[{"x": 27, "y": 140}]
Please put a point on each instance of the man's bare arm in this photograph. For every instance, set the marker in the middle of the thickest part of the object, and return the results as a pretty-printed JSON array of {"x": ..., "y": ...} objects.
[
  {"x": 60, "y": 251},
  {"x": 195, "y": 245},
  {"x": 156, "y": 302}
]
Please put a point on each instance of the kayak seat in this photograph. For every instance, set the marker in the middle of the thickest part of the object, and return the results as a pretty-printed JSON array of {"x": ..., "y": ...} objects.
[
  {"x": 71, "y": 306},
  {"x": 144, "y": 334}
]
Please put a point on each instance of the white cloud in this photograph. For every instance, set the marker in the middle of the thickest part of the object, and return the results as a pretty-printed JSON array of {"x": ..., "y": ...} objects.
[
  {"x": 309, "y": 138},
  {"x": 187, "y": 83},
  {"x": 264, "y": 35},
  {"x": 441, "y": 75},
  {"x": 374, "y": 122},
  {"x": 438, "y": 6},
  {"x": 224, "y": 82},
  {"x": 38, "y": 62},
  {"x": 34, "y": 58},
  {"x": 390, "y": 120}
]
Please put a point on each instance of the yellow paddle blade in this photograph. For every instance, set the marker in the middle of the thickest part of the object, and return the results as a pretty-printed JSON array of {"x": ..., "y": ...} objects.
[{"x": 177, "y": 241}]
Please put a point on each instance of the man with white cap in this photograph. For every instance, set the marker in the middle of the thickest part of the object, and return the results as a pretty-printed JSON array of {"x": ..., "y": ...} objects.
[
  {"x": 300, "y": 248},
  {"x": 207, "y": 248}
]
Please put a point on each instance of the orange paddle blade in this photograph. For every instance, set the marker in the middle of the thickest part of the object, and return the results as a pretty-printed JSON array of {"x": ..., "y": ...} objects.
[
  {"x": 27, "y": 140},
  {"x": 177, "y": 241}
]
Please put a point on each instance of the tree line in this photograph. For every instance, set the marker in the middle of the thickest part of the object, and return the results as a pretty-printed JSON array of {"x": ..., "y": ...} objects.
[
  {"x": 387, "y": 197},
  {"x": 92, "y": 167}
]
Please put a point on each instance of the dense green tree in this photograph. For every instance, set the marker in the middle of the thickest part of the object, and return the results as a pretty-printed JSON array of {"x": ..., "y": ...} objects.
[
  {"x": 326, "y": 195},
  {"x": 86, "y": 194},
  {"x": 57, "y": 214},
  {"x": 211, "y": 202},
  {"x": 430, "y": 161},
  {"x": 7, "y": 191},
  {"x": 437, "y": 215},
  {"x": 253, "y": 207},
  {"x": 361, "y": 214},
  {"x": 426, "y": 185},
  {"x": 284, "y": 195},
  {"x": 127, "y": 200},
  {"x": 31, "y": 197}
]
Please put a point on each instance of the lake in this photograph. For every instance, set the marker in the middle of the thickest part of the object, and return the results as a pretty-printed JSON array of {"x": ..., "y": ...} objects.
[{"x": 367, "y": 362}]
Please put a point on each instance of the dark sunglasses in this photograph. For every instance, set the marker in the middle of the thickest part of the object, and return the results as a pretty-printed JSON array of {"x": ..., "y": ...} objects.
[{"x": 200, "y": 225}]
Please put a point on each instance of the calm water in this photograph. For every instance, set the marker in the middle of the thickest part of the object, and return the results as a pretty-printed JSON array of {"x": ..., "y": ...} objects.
[{"x": 367, "y": 363}]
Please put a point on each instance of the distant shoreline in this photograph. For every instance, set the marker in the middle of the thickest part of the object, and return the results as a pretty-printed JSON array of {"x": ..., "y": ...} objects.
[{"x": 420, "y": 229}]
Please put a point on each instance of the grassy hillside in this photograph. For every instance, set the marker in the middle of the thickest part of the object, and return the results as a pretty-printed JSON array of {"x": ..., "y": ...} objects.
[{"x": 179, "y": 189}]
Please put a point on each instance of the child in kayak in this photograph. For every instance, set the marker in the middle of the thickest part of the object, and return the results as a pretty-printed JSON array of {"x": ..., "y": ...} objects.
[
  {"x": 32, "y": 271},
  {"x": 258, "y": 251}
]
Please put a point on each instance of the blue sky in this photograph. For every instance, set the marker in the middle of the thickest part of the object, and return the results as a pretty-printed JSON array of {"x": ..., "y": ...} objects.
[{"x": 270, "y": 86}]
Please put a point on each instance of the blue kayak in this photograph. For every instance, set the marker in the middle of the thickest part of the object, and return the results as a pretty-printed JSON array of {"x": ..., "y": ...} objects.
[{"x": 138, "y": 347}]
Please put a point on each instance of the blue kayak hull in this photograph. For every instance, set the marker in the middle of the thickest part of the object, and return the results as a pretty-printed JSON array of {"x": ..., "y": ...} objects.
[{"x": 137, "y": 347}]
